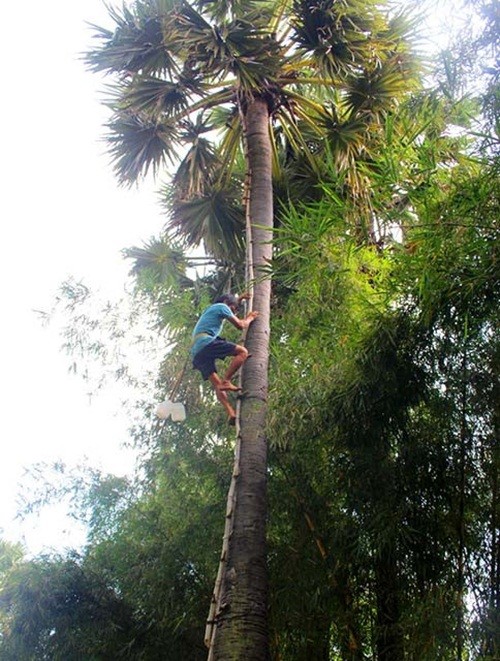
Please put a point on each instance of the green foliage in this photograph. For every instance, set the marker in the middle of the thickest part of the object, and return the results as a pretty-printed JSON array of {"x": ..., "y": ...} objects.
[
  {"x": 10, "y": 555},
  {"x": 137, "y": 43},
  {"x": 54, "y": 608},
  {"x": 214, "y": 220},
  {"x": 387, "y": 453},
  {"x": 141, "y": 588}
]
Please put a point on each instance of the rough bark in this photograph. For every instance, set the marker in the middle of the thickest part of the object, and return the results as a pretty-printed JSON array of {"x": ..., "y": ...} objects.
[{"x": 241, "y": 622}]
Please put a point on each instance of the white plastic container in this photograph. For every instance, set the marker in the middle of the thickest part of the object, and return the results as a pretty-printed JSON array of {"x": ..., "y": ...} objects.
[{"x": 175, "y": 409}]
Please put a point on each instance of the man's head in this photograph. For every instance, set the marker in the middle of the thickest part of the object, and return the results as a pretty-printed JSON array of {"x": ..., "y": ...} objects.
[{"x": 230, "y": 300}]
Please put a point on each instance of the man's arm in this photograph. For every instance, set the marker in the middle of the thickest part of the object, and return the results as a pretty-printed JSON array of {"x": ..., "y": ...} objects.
[{"x": 241, "y": 324}]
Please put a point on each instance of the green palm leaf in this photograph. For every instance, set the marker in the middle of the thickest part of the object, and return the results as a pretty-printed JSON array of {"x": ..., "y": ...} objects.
[
  {"x": 154, "y": 96},
  {"x": 215, "y": 220},
  {"x": 301, "y": 136},
  {"x": 230, "y": 147},
  {"x": 376, "y": 91},
  {"x": 346, "y": 138},
  {"x": 197, "y": 42},
  {"x": 138, "y": 144},
  {"x": 136, "y": 44},
  {"x": 165, "y": 262},
  {"x": 197, "y": 170},
  {"x": 218, "y": 10},
  {"x": 337, "y": 33},
  {"x": 255, "y": 50}
]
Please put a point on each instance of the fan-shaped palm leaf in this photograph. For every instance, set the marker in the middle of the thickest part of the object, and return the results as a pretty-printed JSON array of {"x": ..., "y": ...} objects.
[
  {"x": 377, "y": 90},
  {"x": 256, "y": 52},
  {"x": 204, "y": 165},
  {"x": 346, "y": 138},
  {"x": 136, "y": 44},
  {"x": 138, "y": 144},
  {"x": 197, "y": 42},
  {"x": 153, "y": 96},
  {"x": 336, "y": 32},
  {"x": 165, "y": 262},
  {"x": 215, "y": 220},
  {"x": 218, "y": 10},
  {"x": 196, "y": 171}
]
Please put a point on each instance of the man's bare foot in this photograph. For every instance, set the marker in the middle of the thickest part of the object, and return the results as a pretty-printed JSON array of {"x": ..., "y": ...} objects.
[
  {"x": 231, "y": 420},
  {"x": 227, "y": 385}
]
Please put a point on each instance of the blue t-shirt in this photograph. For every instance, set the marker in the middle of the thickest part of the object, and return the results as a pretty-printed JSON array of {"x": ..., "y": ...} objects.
[{"x": 209, "y": 326}]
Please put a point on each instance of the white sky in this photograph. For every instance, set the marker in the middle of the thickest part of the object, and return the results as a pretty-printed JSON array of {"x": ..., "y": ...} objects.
[{"x": 62, "y": 215}]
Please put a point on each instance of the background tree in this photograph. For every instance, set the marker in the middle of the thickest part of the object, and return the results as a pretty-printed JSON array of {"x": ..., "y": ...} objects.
[{"x": 388, "y": 462}]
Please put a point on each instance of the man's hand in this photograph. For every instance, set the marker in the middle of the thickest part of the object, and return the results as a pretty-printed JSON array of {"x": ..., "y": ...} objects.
[
  {"x": 244, "y": 297},
  {"x": 243, "y": 323},
  {"x": 249, "y": 318}
]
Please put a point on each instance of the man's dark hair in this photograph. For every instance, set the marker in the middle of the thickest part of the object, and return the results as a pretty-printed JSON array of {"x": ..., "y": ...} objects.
[{"x": 228, "y": 299}]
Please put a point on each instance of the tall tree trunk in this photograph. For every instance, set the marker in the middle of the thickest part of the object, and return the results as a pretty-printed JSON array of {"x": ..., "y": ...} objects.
[{"x": 241, "y": 622}]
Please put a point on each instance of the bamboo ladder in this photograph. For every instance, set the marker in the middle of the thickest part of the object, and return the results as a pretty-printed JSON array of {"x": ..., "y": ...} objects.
[{"x": 215, "y": 602}]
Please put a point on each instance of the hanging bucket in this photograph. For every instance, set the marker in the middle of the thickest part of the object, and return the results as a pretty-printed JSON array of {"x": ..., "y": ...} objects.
[{"x": 167, "y": 409}]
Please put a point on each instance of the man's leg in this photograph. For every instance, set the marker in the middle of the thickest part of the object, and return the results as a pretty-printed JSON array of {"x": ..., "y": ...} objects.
[
  {"x": 240, "y": 355},
  {"x": 216, "y": 381}
]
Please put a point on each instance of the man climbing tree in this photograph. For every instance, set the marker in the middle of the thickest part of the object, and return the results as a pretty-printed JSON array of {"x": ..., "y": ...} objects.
[{"x": 207, "y": 346}]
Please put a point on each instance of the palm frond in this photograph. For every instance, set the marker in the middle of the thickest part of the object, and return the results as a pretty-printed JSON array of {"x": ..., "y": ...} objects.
[
  {"x": 220, "y": 10},
  {"x": 242, "y": 46},
  {"x": 404, "y": 27},
  {"x": 136, "y": 45},
  {"x": 256, "y": 54},
  {"x": 377, "y": 90},
  {"x": 223, "y": 116},
  {"x": 164, "y": 262},
  {"x": 199, "y": 44},
  {"x": 137, "y": 144},
  {"x": 214, "y": 220},
  {"x": 280, "y": 9},
  {"x": 302, "y": 137},
  {"x": 154, "y": 96},
  {"x": 298, "y": 97},
  {"x": 204, "y": 164},
  {"x": 196, "y": 171},
  {"x": 335, "y": 32},
  {"x": 296, "y": 172},
  {"x": 345, "y": 137},
  {"x": 230, "y": 147}
]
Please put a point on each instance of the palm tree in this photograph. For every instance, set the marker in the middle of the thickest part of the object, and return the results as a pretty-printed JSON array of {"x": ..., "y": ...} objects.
[{"x": 234, "y": 92}]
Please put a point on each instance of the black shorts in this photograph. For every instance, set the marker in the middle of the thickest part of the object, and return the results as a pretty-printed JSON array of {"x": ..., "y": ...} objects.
[{"x": 205, "y": 359}]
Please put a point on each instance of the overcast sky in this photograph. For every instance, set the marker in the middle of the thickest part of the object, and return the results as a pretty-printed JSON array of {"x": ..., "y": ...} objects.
[{"x": 62, "y": 215}]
